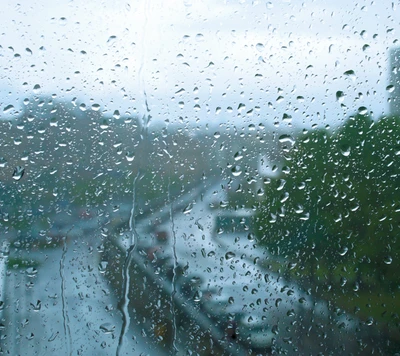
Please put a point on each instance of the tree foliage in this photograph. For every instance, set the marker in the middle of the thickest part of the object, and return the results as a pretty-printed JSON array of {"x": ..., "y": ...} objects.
[{"x": 337, "y": 205}]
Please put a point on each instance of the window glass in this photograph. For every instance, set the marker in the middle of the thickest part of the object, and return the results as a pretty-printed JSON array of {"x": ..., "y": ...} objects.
[{"x": 199, "y": 177}]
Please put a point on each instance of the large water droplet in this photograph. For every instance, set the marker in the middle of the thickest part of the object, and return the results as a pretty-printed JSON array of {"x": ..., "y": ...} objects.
[
  {"x": 388, "y": 260},
  {"x": 3, "y": 162},
  {"x": 362, "y": 110},
  {"x": 236, "y": 171},
  {"x": 229, "y": 255},
  {"x": 18, "y": 172},
  {"x": 260, "y": 47},
  {"x": 339, "y": 96},
  {"x": 8, "y": 108},
  {"x": 389, "y": 88},
  {"x": 345, "y": 150},
  {"x": 107, "y": 328},
  {"x": 351, "y": 74},
  {"x": 36, "y": 89}
]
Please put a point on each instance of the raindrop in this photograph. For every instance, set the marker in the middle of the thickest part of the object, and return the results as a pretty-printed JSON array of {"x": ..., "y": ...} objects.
[
  {"x": 362, "y": 110},
  {"x": 37, "y": 306},
  {"x": 53, "y": 336},
  {"x": 369, "y": 321},
  {"x": 95, "y": 107},
  {"x": 366, "y": 47},
  {"x": 286, "y": 139},
  {"x": 107, "y": 328},
  {"x": 31, "y": 271},
  {"x": 62, "y": 21},
  {"x": 387, "y": 260},
  {"x": 238, "y": 156},
  {"x": 116, "y": 114},
  {"x": 111, "y": 40},
  {"x": 3, "y": 162},
  {"x": 345, "y": 150},
  {"x": 339, "y": 96},
  {"x": 260, "y": 47},
  {"x": 130, "y": 156},
  {"x": 188, "y": 208},
  {"x": 251, "y": 237},
  {"x": 236, "y": 171},
  {"x": 18, "y": 173},
  {"x": 103, "y": 266},
  {"x": 197, "y": 296},
  {"x": 8, "y": 108},
  {"x": 104, "y": 125},
  {"x": 351, "y": 74},
  {"x": 229, "y": 255},
  {"x": 389, "y": 88},
  {"x": 275, "y": 329},
  {"x": 36, "y": 89},
  {"x": 199, "y": 37},
  {"x": 343, "y": 251}
]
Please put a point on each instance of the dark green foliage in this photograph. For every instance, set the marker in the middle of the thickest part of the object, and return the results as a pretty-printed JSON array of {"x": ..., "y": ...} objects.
[{"x": 340, "y": 204}]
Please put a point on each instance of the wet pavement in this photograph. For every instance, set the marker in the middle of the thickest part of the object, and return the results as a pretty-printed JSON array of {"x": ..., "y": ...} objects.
[{"x": 59, "y": 303}]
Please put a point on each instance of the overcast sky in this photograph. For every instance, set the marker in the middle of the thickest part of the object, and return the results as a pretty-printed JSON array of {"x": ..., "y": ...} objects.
[{"x": 197, "y": 59}]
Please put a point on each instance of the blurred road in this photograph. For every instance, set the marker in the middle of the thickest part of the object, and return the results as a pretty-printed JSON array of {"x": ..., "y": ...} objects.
[{"x": 60, "y": 303}]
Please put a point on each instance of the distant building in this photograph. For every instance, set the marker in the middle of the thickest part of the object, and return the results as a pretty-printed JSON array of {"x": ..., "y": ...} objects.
[{"x": 394, "y": 85}]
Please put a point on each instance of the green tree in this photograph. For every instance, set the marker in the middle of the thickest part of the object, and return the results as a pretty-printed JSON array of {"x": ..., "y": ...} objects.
[{"x": 337, "y": 205}]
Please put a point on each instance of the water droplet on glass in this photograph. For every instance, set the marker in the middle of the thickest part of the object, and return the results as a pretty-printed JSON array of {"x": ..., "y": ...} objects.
[
  {"x": 236, "y": 171},
  {"x": 387, "y": 260},
  {"x": 345, "y": 150},
  {"x": 103, "y": 266},
  {"x": 130, "y": 156},
  {"x": 260, "y": 47},
  {"x": 389, "y": 88},
  {"x": 369, "y": 321},
  {"x": 275, "y": 329},
  {"x": 188, "y": 208},
  {"x": 95, "y": 107},
  {"x": 31, "y": 271},
  {"x": 286, "y": 139},
  {"x": 107, "y": 328},
  {"x": 351, "y": 74},
  {"x": 229, "y": 255},
  {"x": 111, "y": 40},
  {"x": 116, "y": 114},
  {"x": 8, "y": 108},
  {"x": 197, "y": 296},
  {"x": 104, "y": 125},
  {"x": 362, "y": 110},
  {"x": 343, "y": 251},
  {"x": 339, "y": 96},
  {"x": 62, "y": 21},
  {"x": 3, "y": 162},
  {"x": 238, "y": 156},
  {"x": 199, "y": 37},
  {"x": 18, "y": 173},
  {"x": 36, "y": 89}
]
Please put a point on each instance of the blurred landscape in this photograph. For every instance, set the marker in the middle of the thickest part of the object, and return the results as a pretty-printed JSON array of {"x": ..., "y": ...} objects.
[{"x": 318, "y": 209}]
